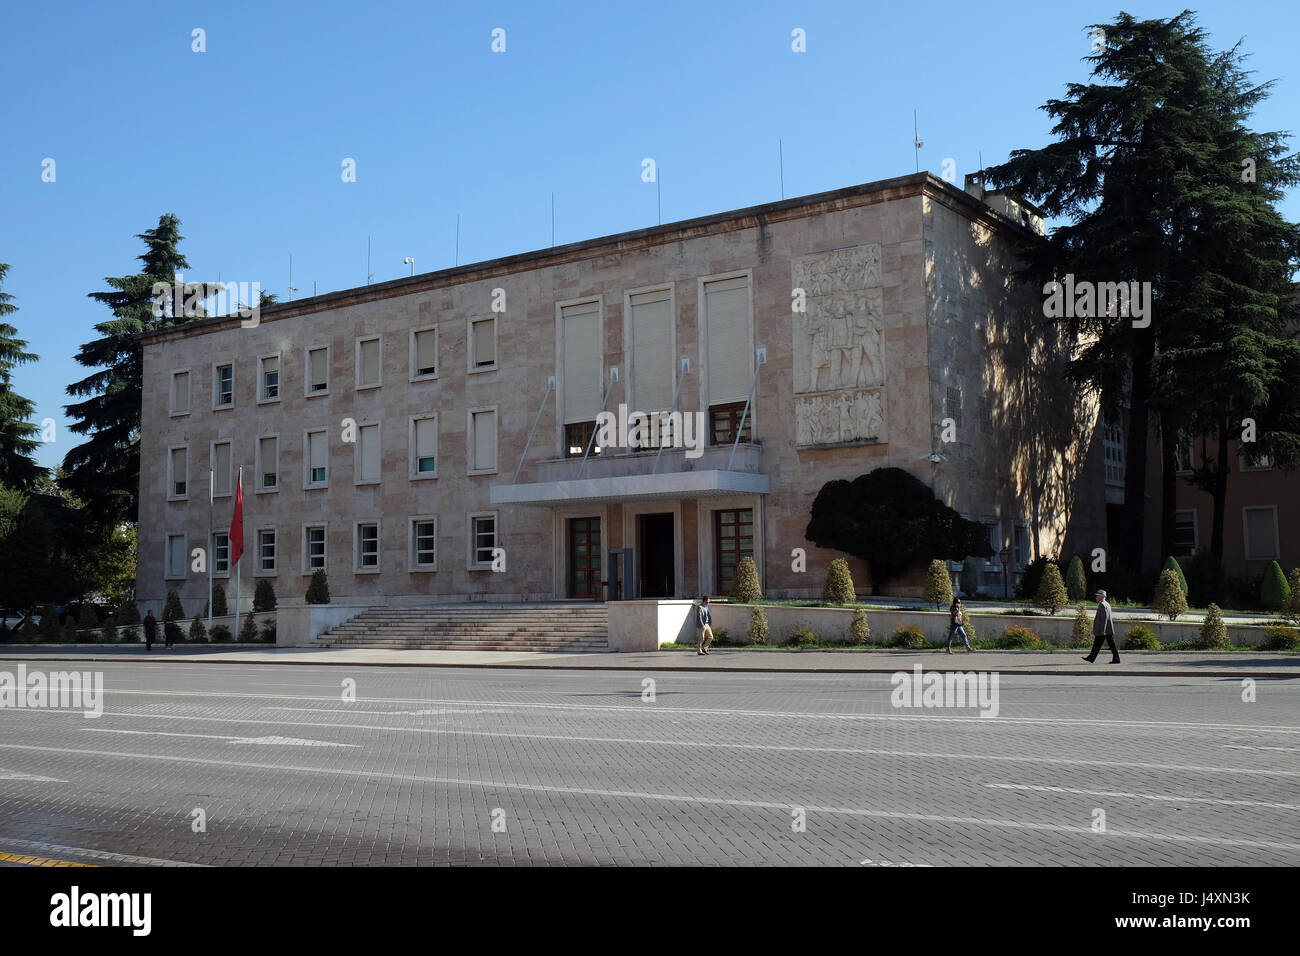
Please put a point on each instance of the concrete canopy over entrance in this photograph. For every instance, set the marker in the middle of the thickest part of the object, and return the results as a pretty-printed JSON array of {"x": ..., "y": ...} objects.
[{"x": 627, "y": 488}]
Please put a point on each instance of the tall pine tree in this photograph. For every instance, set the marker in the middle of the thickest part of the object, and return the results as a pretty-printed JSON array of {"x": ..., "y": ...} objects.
[
  {"x": 1142, "y": 170},
  {"x": 104, "y": 471},
  {"x": 18, "y": 441}
]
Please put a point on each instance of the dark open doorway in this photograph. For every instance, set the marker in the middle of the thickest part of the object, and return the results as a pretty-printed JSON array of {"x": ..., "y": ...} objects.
[{"x": 657, "y": 573}]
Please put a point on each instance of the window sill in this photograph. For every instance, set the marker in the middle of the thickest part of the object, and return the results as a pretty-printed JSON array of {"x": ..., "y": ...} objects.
[
  {"x": 268, "y": 401},
  {"x": 372, "y": 385}
]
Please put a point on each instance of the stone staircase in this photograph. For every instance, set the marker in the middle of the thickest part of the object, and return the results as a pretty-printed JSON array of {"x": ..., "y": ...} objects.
[{"x": 576, "y": 628}]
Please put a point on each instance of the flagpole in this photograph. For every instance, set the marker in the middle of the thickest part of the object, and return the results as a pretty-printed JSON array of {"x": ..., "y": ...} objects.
[
  {"x": 239, "y": 564},
  {"x": 211, "y": 558}
]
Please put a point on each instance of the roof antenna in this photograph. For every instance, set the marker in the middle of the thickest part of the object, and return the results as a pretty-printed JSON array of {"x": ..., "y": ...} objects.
[{"x": 916, "y": 143}]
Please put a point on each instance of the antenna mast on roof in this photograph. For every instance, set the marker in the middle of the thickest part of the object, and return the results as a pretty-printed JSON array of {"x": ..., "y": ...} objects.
[
  {"x": 916, "y": 142},
  {"x": 780, "y": 152},
  {"x": 292, "y": 290}
]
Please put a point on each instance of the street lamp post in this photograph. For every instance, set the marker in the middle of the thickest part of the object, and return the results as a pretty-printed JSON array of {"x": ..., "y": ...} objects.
[{"x": 1005, "y": 555}]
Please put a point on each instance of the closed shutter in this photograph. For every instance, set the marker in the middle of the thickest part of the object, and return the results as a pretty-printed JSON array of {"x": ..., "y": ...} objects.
[
  {"x": 653, "y": 377},
  {"x": 1261, "y": 534},
  {"x": 424, "y": 352},
  {"x": 731, "y": 364},
  {"x": 267, "y": 449},
  {"x": 368, "y": 452},
  {"x": 221, "y": 469},
  {"x": 175, "y": 555},
  {"x": 485, "y": 352},
  {"x": 485, "y": 440},
  {"x": 369, "y": 363},
  {"x": 319, "y": 374},
  {"x": 316, "y": 457},
  {"x": 181, "y": 392},
  {"x": 426, "y": 448},
  {"x": 582, "y": 372},
  {"x": 180, "y": 463}
]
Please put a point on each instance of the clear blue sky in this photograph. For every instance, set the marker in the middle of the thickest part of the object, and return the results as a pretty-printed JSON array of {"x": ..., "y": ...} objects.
[{"x": 244, "y": 141}]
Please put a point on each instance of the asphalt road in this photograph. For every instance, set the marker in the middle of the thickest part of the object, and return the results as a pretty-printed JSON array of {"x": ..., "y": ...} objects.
[{"x": 510, "y": 767}]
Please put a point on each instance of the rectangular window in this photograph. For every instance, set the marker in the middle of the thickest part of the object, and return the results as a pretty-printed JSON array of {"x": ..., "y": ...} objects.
[
  {"x": 653, "y": 374},
  {"x": 268, "y": 464},
  {"x": 269, "y": 378},
  {"x": 734, "y": 539},
  {"x": 1248, "y": 461},
  {"x": 223, "y": 386},
  {"x": 266, "y": 550},
  {"x": 483, "y": 539},
  {"x": 368, "y": 454},
  {"x": 178, "y": 474},
  {"x": 313, "y": 547},
  {"x": 1186, "y": 533},
  {"x": 424, "y": 544},
  {"x": 994, "y": 524},
  {"x": 222, "y": 480},
  {"x": 952, "y": 405},
  {"x": 576, "y": 437},
  {"x": 368, "y": 364},
  {"x": 220, "y": 545},
  {"x": 483, "y": 441},
  {"x": 1020, "y": 544},
  {"x": 424, "y": 353},
  {"x": 1261, "y": 532},
  {"x": 175, "y": 556},
  {"x": 986, "y": 414},
  {"x": 424, "y": 447},
  {"x": 581, "y": 373},
  {"x": 317, "y": 458},
  {"x": 318, "y": 371},
  {"x": 724, "y": 420},
  {"x": 367, "y": 547},
  {"x": 180, "y": 393},
  {"x": 482, "y": 344},
  {"x": 730, "y": 366},
  {"x": 1113, "y": 448}
]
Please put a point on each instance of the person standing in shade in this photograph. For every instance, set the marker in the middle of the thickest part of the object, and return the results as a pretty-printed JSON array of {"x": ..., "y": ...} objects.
[
  {"x": 705, "y": 623},
  {"x": 1103, "y": 629},
  {"x": 150, "y": 630},
  {"x": 956, "y": 624},
  {"x": 171, "y": 631}
]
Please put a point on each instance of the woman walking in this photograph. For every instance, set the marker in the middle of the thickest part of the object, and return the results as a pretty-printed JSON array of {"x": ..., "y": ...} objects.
[{"x": 956, "y": 622}]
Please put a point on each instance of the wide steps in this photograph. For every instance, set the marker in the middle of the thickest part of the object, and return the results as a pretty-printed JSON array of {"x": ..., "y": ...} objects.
[{"x": 533, "y": 628}]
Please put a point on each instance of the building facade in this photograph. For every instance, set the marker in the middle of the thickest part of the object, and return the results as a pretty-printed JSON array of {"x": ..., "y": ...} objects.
[{"x": 448, "y": 436}]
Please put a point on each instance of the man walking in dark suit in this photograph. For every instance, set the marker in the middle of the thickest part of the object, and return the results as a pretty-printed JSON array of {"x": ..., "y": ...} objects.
[{"x": 1103, "y": 629}]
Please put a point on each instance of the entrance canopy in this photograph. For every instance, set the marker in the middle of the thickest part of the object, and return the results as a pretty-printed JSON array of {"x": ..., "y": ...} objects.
[{"x": 683, "y": 484}]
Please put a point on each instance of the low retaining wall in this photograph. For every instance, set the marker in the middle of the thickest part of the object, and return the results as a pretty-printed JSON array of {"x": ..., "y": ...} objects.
[
  {"x": 300, "y": 624},
  {"x": 639, "y": 626}
]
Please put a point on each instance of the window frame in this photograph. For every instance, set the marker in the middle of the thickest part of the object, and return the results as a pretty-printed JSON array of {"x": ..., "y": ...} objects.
[
  {"x": 171, "y": 477},
  {"x": 415, "y": 374},
  {"x": 1196, "y": 531},
  {"x": 734, "y": 410},
  {"x": 258, "y": 570},
  {"x": 212, "y": 552},
  {"x": 470, "y": 358},
  {"x": 357, "y": 566},
  {"x": 360, "y": 341},
  {"x": 1245, "y": 534},
  {"x": 260, "y": 466},
  {"x": 306, "y": 378},
  {"x": 412, "y": 565},
  {"x": 262, "y": 397},
  {"x": 168, "y": 575},
  {"x": 307, "y": 528},
  {"x": 357, "y": 461},
  {"x": 218, "y": 406},
  {"x": 212, "y": 464},
  {"x": 472, "y": 562},
  {"x": 471, "y": 442},
  {"x": 307, "y": 483},
  {"x": 172, "y": 411},
  {"x": 413, "y": 461}
]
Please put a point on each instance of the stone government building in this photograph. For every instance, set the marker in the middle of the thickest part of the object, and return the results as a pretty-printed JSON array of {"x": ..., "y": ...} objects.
[{"x": 381, "y": 428}]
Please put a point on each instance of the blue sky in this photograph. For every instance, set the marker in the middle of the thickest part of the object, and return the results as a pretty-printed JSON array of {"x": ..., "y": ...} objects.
[{"x": 244, "y": 142}]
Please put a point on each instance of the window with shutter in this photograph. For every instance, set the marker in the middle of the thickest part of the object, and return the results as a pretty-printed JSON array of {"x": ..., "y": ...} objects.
[
  {"x": 483, "y": 345},
  {"x": 221, "y": 478},
  {"x": 180, "y": 473},
  {"x": 730, "y": 359},
  {"x": 424, "y": 458},
  {"x": 580, "y": 376},
  {"x": 483, "y": 441},
  {"x": 268, "y": 463},
  {"x": 368, "y": 453},
  {"x": 1261, "y": 533},
  {"x": 426, "y": 353},
  {"x": 368, "y": 363},
  {"x": 317, "y": 473},
  {"x": 180, "y": 393},
  {"x": 653, "y": 375},
  {"x": 175, "y": 555},
  {"x": 318, "y": 371}
]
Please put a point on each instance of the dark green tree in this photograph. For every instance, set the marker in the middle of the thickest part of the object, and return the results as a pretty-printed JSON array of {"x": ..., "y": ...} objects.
[
  {"x": 104, "y": 471},
  {"x": 892, "y": 521},
  {"x": 18, "y": 433},
  {"x": 1142, "y": 170}
]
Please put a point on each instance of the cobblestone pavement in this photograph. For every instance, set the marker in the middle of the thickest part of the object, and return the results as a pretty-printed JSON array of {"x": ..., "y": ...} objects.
[{"x": 564, "y": 767}]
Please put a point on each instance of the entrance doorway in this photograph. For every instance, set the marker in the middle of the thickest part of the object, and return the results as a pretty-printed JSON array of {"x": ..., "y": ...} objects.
[
  {"x": 584, "y": 558},
  {"x": 657, "y": 573}
]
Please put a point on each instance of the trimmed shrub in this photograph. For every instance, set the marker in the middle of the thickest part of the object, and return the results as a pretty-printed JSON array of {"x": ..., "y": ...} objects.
[
  {"x": 248, "y": 630},
  {"x": 1291, "y": 608},
  {"x": 1205, "y": 579},
  {"x": 1214, "y": 633},
  {"x": 745, "y": 589},
  {"x": 720, "y": 638},
  {"x": 128, "y": 613},
  {"x": 1280, "y": 638},
  {"x": 1051, "y": 595},
  {"x": 1076, "y": 581},
  {"x": 838, "y": 588},
  {"x": 1274, "y": 592},
  {"x": 968, "y": 622},
  {"x": 1021, "y": 638},
  {"x": 172, "y": 610},
  {"x": 802, "y": 638},
  {"x": 318, "y": 592},
  {"x": 109, "y": 634},
  {"x": 198, "y": 632},
  {"x": 908, "y": 635},
  {"x": 970, "y": 576},
  {"x": 263, "y": 595},
  {"x": 1139, "y": 637},
  {"x": 49, "y": 627},
  {"x": 1081, "y": 629},
  {"x": 219, "y": 608},
  {"x": 1171, "y": 564},
  {"x": 1170, "y": 599},
  {"x": 757, "y": 633},
  {"x": 1032, "y": 577},
  {"x": 938, "y": 585},
  {"x": 267, "y": 635},
  {"x": 860, "y": 627},
  {"x": 221, "y": 634}
]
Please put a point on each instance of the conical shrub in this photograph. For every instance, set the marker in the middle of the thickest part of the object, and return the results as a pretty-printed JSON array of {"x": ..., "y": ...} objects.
[
  {"x": 745, "y": 589},
  {"x": 1076, "y": 581},
  {"x": 1051, "y": 589},
  {"x": 938, "y": 585},
  {"x": 1170, "y": 598},
  {"x": 838, "y": 588},
  {"x": 1214, "y": 633}
]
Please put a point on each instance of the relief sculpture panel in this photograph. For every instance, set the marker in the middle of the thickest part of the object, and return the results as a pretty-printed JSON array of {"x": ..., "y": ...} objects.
[{"x": 839, "y": 369}]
